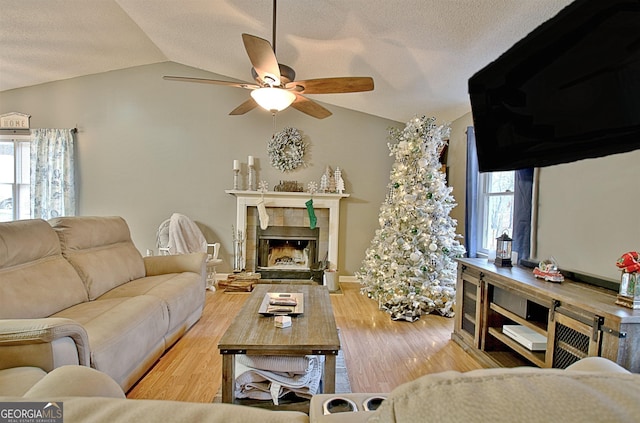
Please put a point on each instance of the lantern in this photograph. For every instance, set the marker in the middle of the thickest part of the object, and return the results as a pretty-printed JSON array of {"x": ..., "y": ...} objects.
[{"x": 503, "y": 250}]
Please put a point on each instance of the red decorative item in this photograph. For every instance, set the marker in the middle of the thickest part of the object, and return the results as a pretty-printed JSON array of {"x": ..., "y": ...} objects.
[
  {"x": 629, "y": 262},
  {"x": 548, "y": 270}
]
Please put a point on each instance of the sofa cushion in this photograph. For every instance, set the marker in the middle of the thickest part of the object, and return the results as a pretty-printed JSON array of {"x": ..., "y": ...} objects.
[
  {"x": 101, "y": 410},
  {"x": 181, "y": 293},
  {"x": 101, "y": 251},
  {"x": 123, "y": 332},
  {"x": 18, "y": 380},
  {"x": 78, "y": 381},
  {"x": 35, "y": 279},
  {"x": 518, "y": 394}
]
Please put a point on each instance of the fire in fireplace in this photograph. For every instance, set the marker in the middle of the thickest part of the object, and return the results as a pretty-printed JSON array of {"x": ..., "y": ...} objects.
[{"x": 286, "y": 252}]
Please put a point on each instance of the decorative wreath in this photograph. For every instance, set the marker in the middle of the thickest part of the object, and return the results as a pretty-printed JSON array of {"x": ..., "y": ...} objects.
[{"x": 286, "y": 150}]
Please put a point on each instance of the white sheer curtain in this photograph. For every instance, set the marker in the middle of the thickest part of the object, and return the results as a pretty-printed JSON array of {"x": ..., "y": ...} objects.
[{"x": 53, "y": 191}]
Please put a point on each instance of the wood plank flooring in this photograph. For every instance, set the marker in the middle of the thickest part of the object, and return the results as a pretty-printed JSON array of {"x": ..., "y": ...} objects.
[{"x": 380, "y": 354}]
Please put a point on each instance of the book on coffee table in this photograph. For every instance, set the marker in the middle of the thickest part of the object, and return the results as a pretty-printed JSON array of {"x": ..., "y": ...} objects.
[{"x": 282, "y": 303}]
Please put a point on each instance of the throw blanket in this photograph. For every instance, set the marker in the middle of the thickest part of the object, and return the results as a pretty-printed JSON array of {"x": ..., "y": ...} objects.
[
  {"x": 281, "y": 375},
  {"x": 185, "y": 236}
]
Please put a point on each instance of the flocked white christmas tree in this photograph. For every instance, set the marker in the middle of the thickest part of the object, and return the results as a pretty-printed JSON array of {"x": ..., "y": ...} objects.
[{"x": 409, "y": 268}]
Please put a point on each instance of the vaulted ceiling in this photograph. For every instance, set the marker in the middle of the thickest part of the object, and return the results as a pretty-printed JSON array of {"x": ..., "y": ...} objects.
[{"x": 419, "y": 52}]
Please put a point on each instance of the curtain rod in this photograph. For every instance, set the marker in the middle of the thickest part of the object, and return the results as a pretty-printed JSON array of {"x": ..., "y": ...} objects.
[{"x": 26, "y": 131}]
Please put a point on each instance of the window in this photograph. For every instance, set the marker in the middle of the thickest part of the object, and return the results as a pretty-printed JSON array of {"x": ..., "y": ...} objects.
[
  {"x": 15, "y": 197},
  {"x": 495, "y": 208}
]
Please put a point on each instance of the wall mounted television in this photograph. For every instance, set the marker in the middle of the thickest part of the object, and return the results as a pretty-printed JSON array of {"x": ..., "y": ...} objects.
[{"x": 569, "y": 90}]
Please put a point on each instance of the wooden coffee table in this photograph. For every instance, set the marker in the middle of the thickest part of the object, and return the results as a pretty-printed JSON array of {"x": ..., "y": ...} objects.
[{"x": 312, "y": 333}]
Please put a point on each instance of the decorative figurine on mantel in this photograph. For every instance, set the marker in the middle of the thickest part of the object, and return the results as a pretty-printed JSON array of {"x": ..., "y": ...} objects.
[
  {"x": 629, "y": 293},
  {"x": 312, "y": 187},
  {"x": 324, "y": 183},
  {"x": 288, "y": 186},
  {"x": 331, "y": 182},
  {"x": 339, "y": 181}
]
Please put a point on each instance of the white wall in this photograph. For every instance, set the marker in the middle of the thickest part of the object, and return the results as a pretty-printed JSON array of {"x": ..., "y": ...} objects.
[
  {"x": 457, "y": 162},
  {"x": 149, "y": 147},
  {"x": 589, "y": 213}
]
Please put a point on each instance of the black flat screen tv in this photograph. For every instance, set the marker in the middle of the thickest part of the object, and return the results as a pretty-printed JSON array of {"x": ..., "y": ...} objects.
[{"x": 569, "y": 90}]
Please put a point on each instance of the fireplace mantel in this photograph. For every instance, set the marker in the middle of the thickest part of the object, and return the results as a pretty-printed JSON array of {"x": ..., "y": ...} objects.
[{"x": 245, "y": 199}]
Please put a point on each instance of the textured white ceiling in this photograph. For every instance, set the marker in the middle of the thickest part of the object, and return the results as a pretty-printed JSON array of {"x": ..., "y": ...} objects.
[{"x": 419, "y": 52}]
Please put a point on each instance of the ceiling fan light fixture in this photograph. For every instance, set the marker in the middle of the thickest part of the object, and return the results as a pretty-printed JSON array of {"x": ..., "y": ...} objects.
[{"x": 273, "y": 99}]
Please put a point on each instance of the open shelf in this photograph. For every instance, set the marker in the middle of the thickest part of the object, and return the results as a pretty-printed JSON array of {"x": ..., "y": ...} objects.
[
  {"x": 536, "y": 357},
  {"x": 539, "y": 327}
]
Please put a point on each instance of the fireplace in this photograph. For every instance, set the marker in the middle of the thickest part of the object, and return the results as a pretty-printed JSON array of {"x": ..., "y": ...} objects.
[
  {"x": 288, "y": 209},
  {"x": 286, "y": 252}
]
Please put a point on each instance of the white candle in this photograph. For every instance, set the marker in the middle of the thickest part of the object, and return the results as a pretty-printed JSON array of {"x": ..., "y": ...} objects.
[
  {"x": 236, "y": 165},
  {"x": 250, "y": 160}
]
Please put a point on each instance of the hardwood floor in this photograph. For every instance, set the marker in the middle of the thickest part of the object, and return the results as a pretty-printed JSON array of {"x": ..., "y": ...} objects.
[{"x": 380, "y": 354}]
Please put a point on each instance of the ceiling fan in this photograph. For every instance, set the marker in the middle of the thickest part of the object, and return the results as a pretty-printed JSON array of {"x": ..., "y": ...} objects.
[{"x": 276, "y": 88}]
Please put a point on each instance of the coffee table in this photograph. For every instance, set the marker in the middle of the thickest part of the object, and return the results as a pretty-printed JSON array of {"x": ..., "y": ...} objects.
[{"x": 312, "y": 333}]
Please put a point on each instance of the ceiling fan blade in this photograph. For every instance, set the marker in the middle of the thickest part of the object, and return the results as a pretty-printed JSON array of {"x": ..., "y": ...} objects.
[
  {"x": 212, "y": 81},
  {"x": 347, "y": 84},
  {"x": 310, "y": 107},
  {"x": 245, "y": 107},
  {"x": 262, "y": 58}
]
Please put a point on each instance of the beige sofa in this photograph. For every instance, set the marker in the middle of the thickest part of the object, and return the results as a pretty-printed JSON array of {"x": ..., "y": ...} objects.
[
  {"x": 592, "y": 390},
  {"x": 86, "y": 395},
  {"x": 75, "y": 290}
]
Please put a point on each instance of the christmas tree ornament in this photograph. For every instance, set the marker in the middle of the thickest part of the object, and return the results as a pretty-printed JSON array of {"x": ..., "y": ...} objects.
[{"x": 409, "y": 268}]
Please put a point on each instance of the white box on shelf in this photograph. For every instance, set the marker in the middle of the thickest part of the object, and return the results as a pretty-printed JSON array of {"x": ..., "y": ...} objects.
[{"x": 525, "y": 336}]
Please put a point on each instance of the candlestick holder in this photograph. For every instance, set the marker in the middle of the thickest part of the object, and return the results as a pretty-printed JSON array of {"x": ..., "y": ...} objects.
[
  {"x": 236, "y": 179},
  {"x": 252, "y": 178}
]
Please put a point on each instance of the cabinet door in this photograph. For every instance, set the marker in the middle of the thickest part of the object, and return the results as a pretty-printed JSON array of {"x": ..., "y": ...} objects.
[
  {"x": 572, "y": 339},
  {"x": 469, "y": 294}
]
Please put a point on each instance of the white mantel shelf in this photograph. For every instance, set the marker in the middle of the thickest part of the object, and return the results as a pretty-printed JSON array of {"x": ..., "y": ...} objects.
[
  {"x": 245, "y": 199},
  {"x": 284, "y": 195}
]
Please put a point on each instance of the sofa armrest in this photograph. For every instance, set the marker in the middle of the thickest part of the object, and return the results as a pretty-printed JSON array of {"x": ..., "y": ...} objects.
[
  {"x": 46, "y": 343},
  {"x": 596, "y": 364},
  {"x": 160, "y": 265}
]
